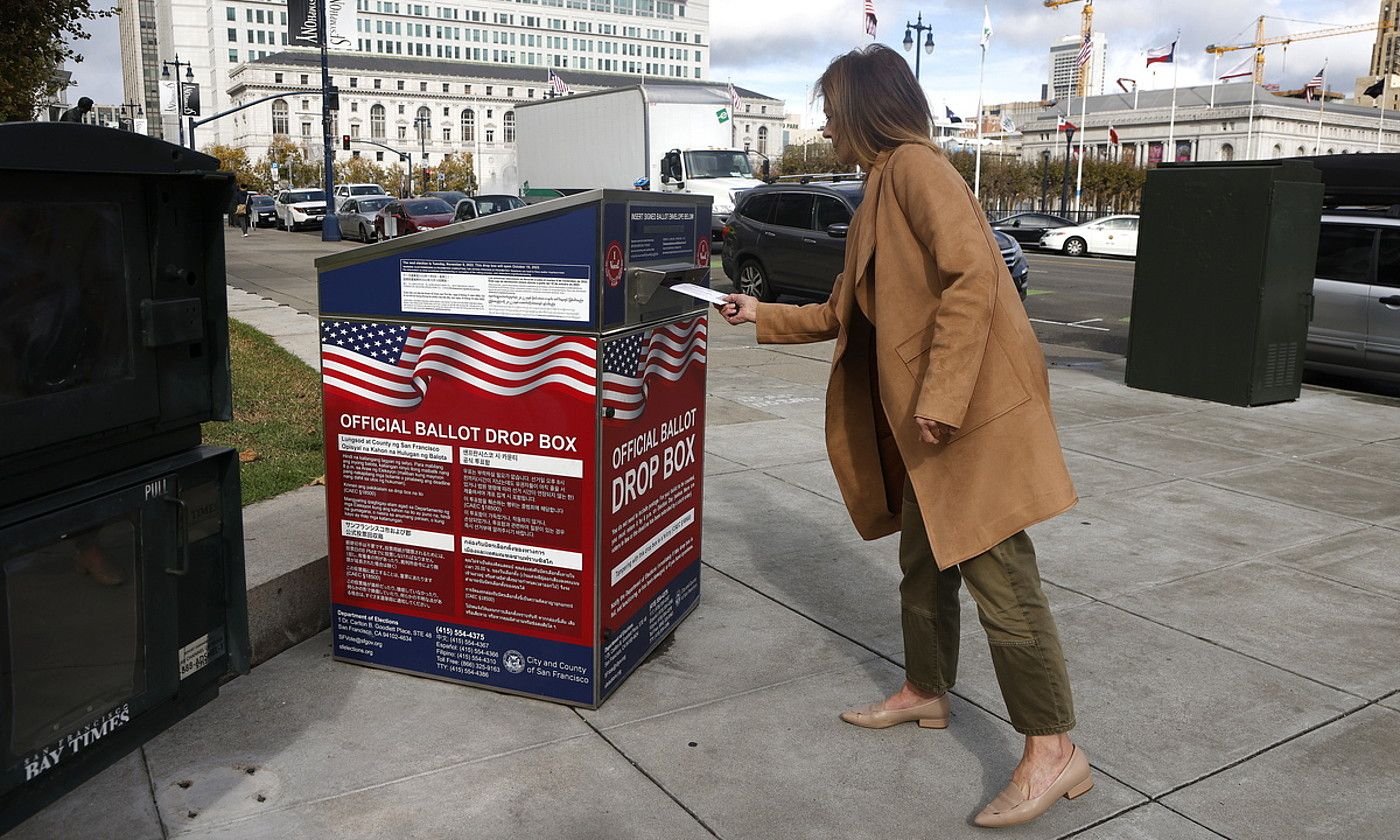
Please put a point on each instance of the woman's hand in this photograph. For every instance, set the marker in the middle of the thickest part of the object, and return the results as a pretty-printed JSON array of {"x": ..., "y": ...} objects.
[
  {"x": 739, "y": 309},
  {"x": 932, "y": 431}
]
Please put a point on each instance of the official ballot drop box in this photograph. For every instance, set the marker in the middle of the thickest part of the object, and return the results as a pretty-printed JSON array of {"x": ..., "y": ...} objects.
[{"x": 514, "y": 418}]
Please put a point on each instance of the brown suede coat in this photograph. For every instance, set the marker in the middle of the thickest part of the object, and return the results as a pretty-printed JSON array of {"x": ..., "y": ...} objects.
[{"x": 925, "y": 290}]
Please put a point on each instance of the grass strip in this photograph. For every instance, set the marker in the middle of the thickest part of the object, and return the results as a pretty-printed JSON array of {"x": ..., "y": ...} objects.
[{"x": 276, "y": 425}]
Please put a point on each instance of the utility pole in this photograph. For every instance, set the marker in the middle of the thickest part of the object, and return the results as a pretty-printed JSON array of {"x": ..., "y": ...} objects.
[{"x": 423, "y": 126}]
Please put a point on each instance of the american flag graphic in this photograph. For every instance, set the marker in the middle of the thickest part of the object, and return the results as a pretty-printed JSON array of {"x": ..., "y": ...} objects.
[
  {"x": 629, "y": 362},
  {"x": 393, "y": 364},
  {"x": 870, "y": 18},
  {"x": 557, "y": 84},
  {"x": 1085, "y": 50},
  {"x": 1315, "y": 83}
]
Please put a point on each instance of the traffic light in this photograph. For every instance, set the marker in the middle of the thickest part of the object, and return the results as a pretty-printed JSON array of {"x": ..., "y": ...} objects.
[{"x": 345, "y": 142}]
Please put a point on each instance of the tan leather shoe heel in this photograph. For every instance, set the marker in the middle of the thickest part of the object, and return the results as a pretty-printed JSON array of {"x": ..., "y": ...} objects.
[
  {"x": 1011, "y": 807},
  {"x": 932, "y": 714}
]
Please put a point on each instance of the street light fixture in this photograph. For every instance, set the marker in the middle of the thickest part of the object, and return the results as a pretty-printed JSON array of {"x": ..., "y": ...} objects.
[
  {"x": 423, "y": 125},
  {"x": 132, "y": 111},
  {"x": 179, "y": 89},
  {"x": 910, "y": 37}
]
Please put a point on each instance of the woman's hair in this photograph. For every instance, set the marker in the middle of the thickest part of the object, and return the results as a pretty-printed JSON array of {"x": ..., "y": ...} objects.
[{"x": 876, "y": 102}]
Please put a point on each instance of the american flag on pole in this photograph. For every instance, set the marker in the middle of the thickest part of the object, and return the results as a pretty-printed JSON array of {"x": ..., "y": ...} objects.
[
  {"x": 557, "y": 84},
  {"x": 631, "y": 361},
  {"x": 394, "y": 364},
  {"x": 1239, "y": 71},
  {"x": 1315, "y": 83},
  {"x": 1085, "y": 50},
  {"x": 870, "y": 18},
  {"x": 733, "y": 99}
]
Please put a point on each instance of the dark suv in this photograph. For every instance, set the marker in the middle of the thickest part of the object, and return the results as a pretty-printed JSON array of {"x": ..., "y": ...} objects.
[{"x": 791, "y": 239}]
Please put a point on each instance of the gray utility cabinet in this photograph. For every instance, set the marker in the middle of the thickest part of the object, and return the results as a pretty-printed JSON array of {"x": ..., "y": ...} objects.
[{"x": 1223, "y": 289}]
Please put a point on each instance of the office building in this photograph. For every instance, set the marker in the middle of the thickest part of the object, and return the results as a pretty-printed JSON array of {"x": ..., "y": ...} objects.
[{"x": 1064, "y": 67}]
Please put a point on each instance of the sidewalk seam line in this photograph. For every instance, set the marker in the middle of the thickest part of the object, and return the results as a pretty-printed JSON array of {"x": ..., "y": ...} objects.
[
  {"x": 648, "y": 776},
  {"x": 151, "y": 786}
]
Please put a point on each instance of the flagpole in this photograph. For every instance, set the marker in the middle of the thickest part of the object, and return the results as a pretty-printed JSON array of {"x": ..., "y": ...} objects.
[
  {"x": 1171, "y": 128},
  {"x": 1215, "y": 75},
  {"x": 1083, "y": 129},
  {"x": 1321, "y": 109},
  {"x": 1249, "y": 133},
  {"x": 1135, "y": 94},
  {"x": 1380, "y": 131},
  {"x": 981, "y": 78}
]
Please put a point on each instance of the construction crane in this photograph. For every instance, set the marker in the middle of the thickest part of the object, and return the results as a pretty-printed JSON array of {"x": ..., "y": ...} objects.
[
  {"x": 1086, "y": 28},
  {"x": 1260, "y": 42}
]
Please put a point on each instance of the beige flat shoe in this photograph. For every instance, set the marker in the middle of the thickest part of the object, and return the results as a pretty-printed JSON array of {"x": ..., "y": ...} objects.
[
  {"x": 1011, "y": 807},
  {"x": 932, "y": 714}
]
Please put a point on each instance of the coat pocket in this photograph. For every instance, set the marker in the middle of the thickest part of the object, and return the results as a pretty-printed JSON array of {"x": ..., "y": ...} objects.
[{"x": 997, "y": 390}]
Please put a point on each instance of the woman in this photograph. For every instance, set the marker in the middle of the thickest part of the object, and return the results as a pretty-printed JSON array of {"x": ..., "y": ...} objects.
[
  {"x": 939, "y": 423},
  {"x": 241, "y": 211}
]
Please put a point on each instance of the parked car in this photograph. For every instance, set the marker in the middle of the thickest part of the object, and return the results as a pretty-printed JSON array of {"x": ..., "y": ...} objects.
[
  {"x": 1355, "y": 327},
  {"x": 791, "y": 238},
  {"x": 356, "y": 216},
  {"x": 401, "y": 217},
  {"x": 262, "y": 210},
  {"x": 1117, "y": 235},
  {"x": 474, "y": 207},
  {"x": 1027, "y": 228},
  {"x": 300, "y": 208},
  {"x": 452, "y": 197},
  {"x": 344, "y": 191}
]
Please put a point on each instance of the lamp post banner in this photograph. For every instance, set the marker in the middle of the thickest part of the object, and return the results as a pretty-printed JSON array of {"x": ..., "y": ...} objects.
[
  {"x": 169, "y": 100},
  {"x": 304, "y": 23},
  {"x": 341, "y": 17},
  {"x": 189, "y": 107}
]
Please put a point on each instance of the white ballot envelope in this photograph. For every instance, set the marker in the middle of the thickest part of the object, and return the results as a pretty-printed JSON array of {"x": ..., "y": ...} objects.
[{"x": 700, "y": 292}]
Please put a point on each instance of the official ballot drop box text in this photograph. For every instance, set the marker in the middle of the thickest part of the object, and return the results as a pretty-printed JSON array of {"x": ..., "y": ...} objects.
[{"x": 514, "y": 418}]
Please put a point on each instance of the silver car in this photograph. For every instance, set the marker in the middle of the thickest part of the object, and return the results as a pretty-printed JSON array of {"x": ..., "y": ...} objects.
[
  {"x": 1355, "y": 328},
  {"x": 356, "y": 216}
]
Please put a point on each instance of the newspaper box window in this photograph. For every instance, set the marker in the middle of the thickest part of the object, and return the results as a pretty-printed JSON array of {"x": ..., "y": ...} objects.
[{"x": 514, "y": 412}]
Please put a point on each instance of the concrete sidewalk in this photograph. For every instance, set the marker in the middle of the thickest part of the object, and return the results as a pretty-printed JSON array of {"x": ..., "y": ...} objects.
[{"x": 1228, "y": 591}]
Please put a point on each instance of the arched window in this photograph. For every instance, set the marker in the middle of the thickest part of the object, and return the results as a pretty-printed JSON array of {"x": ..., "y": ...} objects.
[
  {"x": 1302, "y": 151},
  {"x": 423, "y": 123},
  {"x": 376, "y": 122},
  {"x": 1227, "y": 152},
  {"x": 510, "y": 126},
  {"x": 1278, "y": 151},
  {"x": 763, "y": 139},
  {"x": 468, "y": 125},
  {"x": 279, "y": 116}
]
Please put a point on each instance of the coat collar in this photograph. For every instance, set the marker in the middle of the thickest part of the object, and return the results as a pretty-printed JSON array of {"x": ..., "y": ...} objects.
[{"x": 862, "y": 244}]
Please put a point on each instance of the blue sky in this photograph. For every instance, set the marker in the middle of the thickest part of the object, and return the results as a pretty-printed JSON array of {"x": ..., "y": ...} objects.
[{"x": 779, "y": 47}]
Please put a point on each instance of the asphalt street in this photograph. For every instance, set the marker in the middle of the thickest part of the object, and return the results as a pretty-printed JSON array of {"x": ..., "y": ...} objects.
[{"x": 1081, "y": 301}]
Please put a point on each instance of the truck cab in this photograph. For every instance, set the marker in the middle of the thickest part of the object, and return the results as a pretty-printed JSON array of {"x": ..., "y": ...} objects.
[{"x": 719, "y": 173}]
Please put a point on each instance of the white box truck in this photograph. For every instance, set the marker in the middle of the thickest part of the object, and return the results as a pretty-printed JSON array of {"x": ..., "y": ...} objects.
[{"x": 611, "y": 138}]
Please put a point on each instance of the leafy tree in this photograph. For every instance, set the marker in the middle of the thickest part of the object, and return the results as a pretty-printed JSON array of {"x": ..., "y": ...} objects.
[
  {"x": 37, "y": 36},
  {"x": 292, "y": 163},
  {"x": 362, "y": 170},
  {"x": 235, "y": 160},
  {"x": 808, "y": 159},
  {"x": 453, "y": 172}
]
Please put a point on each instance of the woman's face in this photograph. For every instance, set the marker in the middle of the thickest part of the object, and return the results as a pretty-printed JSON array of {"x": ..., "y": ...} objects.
[{"x": 832, "y": 132}]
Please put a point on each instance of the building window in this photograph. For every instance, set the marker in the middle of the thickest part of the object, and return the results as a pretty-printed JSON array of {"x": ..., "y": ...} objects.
[
  {"x": 305, "y": 129},
  {"x": 277, "y": 78},
  {"x": 403, "y": 132},
  {"x": 490, "y": 135},
  {"x": 232, "y": 13},
  {"x": 447, "y": 134},
  {"x": 233, "y": 56},
  {"x": 279, "y": 116},
  {"x": 468, "y": 125},
  {"x": 763, "y": 139},
  {"x": 422, "y": 87},
  {"x": 510, "y": 126},
  {"x": 376, "y": 83},
  {"x": 1227, "y": 152},
  {"x": 232, "y": 35},
  {"x": 354, "y": 107},
  {"x": 354, "y": 81},
  {"x": 446, "y": 88},
  {"x": 399, "y": 83},
  {"x": 376, "y": 122},
  {"x": 305, "y": 80}
]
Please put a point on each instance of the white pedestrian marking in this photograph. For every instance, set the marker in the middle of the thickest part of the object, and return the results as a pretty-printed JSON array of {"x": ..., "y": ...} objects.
[{"x": 1078, "y": 325}]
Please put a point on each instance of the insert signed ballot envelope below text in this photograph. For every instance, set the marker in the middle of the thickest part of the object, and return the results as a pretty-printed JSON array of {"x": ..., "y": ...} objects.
[{"x": 701, "y": 292}]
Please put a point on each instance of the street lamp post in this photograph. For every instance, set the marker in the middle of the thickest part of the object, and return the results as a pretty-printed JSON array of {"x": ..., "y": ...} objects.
[
  {"x": 1044, "y": 179},
  {"x": 179, "y": 90},
  {"x": 1064, "y": 187},
  {"x": 910, "y": 36},
  {"x": 423, "y": 125},
  {"x": 132, "y": 111}
]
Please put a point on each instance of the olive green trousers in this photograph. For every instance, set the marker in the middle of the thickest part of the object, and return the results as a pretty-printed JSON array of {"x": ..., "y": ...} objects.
[{"x": 1005, "y": 584}]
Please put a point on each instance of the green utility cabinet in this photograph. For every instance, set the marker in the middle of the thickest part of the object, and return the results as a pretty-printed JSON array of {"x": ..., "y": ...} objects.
[{"x": 1223, "y": 289}]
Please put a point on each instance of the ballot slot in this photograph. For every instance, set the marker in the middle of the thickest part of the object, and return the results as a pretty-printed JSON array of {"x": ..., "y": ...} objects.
[{"x": 650, "y": 295}]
